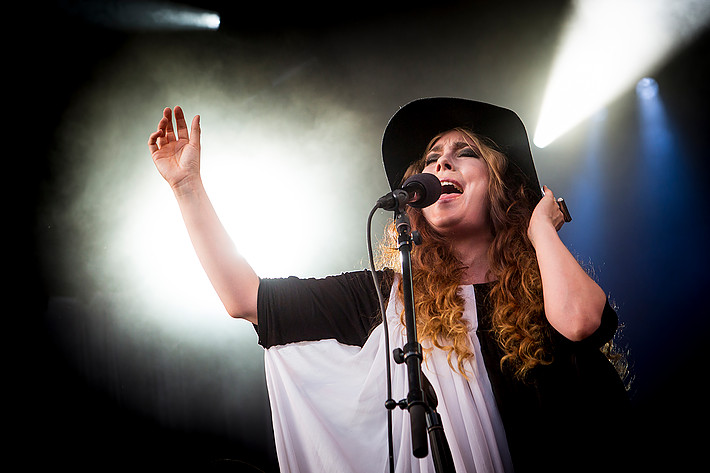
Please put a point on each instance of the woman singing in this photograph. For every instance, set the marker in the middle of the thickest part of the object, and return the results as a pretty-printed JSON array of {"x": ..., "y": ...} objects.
[{"x": 511, "y": 326}]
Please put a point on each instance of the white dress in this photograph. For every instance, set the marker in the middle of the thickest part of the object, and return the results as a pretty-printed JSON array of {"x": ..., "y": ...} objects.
[{"x": 327, "y": 402}]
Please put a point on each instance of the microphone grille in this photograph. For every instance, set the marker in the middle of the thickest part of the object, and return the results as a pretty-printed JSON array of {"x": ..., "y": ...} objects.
[{"x": 427, "y": 186}]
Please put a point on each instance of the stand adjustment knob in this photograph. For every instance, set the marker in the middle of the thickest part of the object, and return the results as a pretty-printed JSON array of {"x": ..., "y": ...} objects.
[{"x": 398, "y": 355}]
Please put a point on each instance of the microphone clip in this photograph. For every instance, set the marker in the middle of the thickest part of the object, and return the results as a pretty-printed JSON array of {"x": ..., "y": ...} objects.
[
  {"x": 419, "y": 190},
  {"x": 393, "y": 200}
]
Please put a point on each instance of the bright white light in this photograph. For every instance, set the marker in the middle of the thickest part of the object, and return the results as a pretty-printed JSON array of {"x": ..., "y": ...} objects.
[
  {"x": 184, "y": 18},
  {"x": 147, "y": 15},
  {"x": 274, "y": 201},
  {"x": 606, "y": 46},
  {"x": 282, "y": 189},
  {"x": 153, "y": 249}
]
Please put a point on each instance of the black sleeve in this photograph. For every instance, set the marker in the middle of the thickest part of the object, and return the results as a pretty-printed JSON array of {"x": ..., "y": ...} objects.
[
  {"x": 607, "y": 328},
  {"x": 604, "y": 333},
  {"x": 343, "y": 307}
]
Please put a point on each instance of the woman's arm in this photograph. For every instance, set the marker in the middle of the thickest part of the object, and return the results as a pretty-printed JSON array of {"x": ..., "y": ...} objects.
[
  {"x": 176, "y": 154},
  {"x": 573, "y": 301}
]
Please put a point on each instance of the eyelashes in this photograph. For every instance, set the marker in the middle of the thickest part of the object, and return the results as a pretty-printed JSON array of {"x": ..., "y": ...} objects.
[{"x": 463, "y": 153}]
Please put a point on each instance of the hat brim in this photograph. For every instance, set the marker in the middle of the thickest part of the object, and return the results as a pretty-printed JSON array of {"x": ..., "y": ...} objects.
[{"x": 413, "y": 126}]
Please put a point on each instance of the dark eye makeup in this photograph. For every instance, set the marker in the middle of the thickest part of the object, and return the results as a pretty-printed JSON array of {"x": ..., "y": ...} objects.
[{"x": 466, "y": 152}]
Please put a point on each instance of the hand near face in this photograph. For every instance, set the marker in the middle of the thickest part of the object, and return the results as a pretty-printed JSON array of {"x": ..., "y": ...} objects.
[{"x": 547, "y": 215}]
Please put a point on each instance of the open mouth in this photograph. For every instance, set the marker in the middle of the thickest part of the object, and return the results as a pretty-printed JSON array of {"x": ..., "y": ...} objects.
[{"x": 450, "y": 187}]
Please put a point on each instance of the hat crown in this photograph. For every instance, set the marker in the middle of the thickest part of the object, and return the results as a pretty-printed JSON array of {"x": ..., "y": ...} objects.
[{"x": 413, "y": 126}]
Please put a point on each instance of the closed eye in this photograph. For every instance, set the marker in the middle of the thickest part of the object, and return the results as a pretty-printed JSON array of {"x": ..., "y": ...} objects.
[
  {"x": 432, "y": 158},
  {"x": 468, "y": 153},
  {"x": 464, "y": 150}
]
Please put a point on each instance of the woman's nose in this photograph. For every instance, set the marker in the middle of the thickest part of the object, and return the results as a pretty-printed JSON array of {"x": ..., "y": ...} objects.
[{"x": 443, "y": 163}]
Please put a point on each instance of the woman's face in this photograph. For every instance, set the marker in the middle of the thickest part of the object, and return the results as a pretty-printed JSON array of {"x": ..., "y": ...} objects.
[{"x": 463, "y": 205}]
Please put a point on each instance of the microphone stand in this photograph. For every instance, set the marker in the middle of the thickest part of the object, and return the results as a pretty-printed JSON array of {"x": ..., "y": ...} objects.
[{"x": 422, "y": 409}]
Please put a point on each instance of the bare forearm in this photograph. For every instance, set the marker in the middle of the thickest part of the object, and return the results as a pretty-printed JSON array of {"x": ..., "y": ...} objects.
[
  {"x": 231, "y": 275},
  {"x": 573, "y": 301}
]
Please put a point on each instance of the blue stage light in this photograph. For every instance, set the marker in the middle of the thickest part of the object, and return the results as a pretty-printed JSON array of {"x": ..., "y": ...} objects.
[
  {"x": 605, "y": 46},
  {"x": 647, "y": 88}
]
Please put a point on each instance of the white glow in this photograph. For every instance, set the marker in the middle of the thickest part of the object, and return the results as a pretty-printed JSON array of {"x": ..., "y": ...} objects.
[
  {"x": 278, "y": 185},
  {"x": 606, "y": 47},
  {"x": 289, "y": 170},
  {"x": 274, "y": 199},
  {"x": 184, "y": 18},
  {"x": 156, "y": 258},
  {"x": 147, "y": 15}
]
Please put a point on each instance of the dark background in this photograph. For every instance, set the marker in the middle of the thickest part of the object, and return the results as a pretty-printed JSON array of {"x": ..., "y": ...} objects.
[{"x": 89, "y": 390}]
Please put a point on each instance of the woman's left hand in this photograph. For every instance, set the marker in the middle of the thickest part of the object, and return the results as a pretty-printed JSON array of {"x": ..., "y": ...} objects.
[
  {"x": 547, "y": 215},
  {"x": 574, "y": 302}
]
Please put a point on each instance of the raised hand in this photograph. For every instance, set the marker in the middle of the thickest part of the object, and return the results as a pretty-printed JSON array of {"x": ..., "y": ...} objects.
[
  {"x": 176, "y": 154},
  {"x": 547, "y": 213}
]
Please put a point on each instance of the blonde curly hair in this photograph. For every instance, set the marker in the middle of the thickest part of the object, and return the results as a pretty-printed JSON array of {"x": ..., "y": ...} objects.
[{"x": 518, "y": 318}]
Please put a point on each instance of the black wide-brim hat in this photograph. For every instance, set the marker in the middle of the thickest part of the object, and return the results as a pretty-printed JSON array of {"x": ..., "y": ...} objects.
[{"x": 413, "y": 126}]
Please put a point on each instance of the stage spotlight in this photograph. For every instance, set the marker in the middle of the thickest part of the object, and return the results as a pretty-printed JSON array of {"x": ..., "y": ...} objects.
[
  {"x": 185, "y": 18},
  {"x": 647, "y": 88},
  {"x": 134, "y": 15},
  {"x": 658, "y": 145},
  {"x": 606, "y": 46}
]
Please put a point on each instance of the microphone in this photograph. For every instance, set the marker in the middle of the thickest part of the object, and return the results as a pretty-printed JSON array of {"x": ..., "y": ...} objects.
[{"x": 419, "y": 191}]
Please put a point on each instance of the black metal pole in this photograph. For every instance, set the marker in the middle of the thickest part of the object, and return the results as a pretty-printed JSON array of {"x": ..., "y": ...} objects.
[
  {"x": 422, "y": 410},
  {"x": 412, "y": 351}
]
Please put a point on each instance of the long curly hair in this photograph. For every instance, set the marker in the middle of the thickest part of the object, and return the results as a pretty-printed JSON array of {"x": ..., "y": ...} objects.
[{"x": 516, "y": 295}]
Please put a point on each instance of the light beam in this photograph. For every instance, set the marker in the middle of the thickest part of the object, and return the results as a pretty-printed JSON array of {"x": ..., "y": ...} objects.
[
  {"x": 146, "y": 15},
  {"x": 606, "y": 47}
]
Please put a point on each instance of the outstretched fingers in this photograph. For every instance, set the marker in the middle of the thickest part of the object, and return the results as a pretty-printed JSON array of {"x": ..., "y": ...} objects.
[
  {"x": 167, "y": 122},
  {"x": 181, "y": 124},
  {"x": 166, "y": 134}
]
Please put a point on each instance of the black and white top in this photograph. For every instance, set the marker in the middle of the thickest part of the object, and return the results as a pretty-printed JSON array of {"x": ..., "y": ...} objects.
[{"x": 325, "y": 372}]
